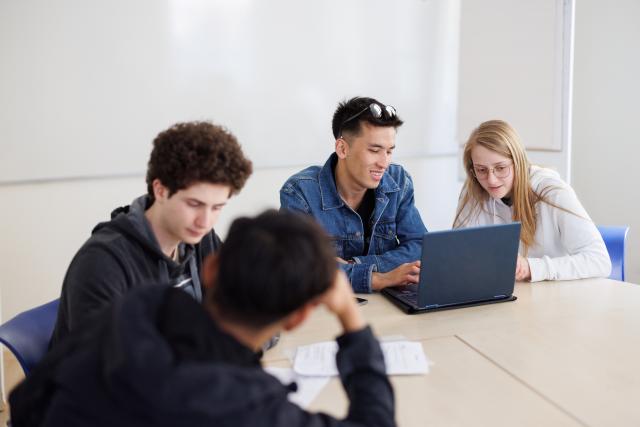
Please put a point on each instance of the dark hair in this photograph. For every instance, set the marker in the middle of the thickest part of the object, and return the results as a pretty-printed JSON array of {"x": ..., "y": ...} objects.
[
  {"x": 347, "y": 109},
  {"x": 270, "y": 266},
  {"x": 192, "y": 152}
]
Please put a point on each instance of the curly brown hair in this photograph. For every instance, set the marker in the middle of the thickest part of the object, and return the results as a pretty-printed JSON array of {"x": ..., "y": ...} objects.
[{"x": 192, "y": 152}]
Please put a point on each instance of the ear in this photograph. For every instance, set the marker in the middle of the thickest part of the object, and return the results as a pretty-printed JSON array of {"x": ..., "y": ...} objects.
[
  {"x": 160, "y": 192},
  {"x": 342, "y": 148},
  {"x": 210, "y": 271},
  {"x": 296, "y": 318}
]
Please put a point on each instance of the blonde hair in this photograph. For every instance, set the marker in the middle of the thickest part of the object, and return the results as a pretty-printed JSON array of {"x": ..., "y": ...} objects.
[{"x": 499, "y": 137}]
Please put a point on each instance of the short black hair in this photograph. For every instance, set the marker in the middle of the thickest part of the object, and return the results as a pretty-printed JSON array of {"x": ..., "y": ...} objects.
[
  {"x": 271, "y": 265},
  {"x": 192, "y": 152},
  {"x": 358, "y": 106}
]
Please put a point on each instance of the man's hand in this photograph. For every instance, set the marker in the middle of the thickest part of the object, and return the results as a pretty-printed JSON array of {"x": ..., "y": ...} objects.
[
  {"x": 402, "y": 275},
  {"x": 339, "y": 299},
  {"x": 523, "y": 271}
]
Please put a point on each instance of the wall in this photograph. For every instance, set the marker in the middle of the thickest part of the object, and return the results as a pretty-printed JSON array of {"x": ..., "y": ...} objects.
[
  {"x": 606, "y": 129},
  {"x": 513, "y": 65},
  {"x": 87, "y": 84}
]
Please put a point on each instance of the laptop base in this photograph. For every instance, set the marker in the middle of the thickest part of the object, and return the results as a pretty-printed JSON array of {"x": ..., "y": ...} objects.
[{"x": 409, "y": 309}]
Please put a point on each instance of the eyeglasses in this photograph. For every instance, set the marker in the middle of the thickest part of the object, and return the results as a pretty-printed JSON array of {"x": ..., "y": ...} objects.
[
  {"x": 499, "y": 171},
  {"x": 377, "y": 111}
]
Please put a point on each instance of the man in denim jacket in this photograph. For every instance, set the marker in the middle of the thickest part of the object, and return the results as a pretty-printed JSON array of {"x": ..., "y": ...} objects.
[{"x": 363, "y": 201}]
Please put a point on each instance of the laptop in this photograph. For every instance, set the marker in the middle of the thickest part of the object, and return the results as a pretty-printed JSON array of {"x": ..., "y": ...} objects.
[{"x": 461, "y": 268}]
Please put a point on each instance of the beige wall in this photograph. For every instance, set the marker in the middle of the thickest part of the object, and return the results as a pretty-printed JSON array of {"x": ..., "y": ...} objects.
[{"x": 606, "y": 120}]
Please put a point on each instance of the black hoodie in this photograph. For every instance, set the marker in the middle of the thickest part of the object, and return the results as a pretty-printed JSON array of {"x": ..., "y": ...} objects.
[
  {"x": 157, "y": 358},
  {"x": 123, "y": 254}
]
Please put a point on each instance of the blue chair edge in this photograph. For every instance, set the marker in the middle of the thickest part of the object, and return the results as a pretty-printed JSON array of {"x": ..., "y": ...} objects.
[
  {"x": 623, "y": 230},
  {"x": 17, "y": 354}
]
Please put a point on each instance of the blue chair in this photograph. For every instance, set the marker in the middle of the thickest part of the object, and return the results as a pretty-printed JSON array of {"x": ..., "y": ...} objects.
[
  {"x": 615, "y": 238},
  {"x": 28, "y": 334}
]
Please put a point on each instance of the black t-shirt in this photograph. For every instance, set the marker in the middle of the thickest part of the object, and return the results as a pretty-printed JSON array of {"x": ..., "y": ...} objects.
[
  {"x": 507, "y": 201},
  {"x": 365, "y": 210}
]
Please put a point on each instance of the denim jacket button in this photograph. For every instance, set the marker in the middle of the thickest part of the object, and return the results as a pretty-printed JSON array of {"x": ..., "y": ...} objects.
[{"x": 357, "y": 234}]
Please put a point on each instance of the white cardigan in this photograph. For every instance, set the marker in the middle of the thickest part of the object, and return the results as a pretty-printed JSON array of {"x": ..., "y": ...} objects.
[{"x": 567, "y": 245}]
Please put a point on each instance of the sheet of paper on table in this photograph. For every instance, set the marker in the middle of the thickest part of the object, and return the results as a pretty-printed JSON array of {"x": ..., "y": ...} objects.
[{"x": 401, "y": 358}]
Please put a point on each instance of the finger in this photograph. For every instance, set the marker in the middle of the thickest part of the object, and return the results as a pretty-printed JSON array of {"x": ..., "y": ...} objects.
[{"x": 411, "y": 278}]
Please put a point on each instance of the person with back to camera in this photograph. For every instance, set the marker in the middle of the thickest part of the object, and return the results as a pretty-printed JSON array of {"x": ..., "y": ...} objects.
[
  {"x": 558, "y": 240},
  {"x": 364, "y": 202},
  {"x": 157, "y": 357}
]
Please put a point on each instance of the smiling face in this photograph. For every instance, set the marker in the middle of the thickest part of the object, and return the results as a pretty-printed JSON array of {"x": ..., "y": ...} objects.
[
  {"x": 366, "y": 156},
  {"x": 189, "y": 214},
  {"x": 487, "y": 165}
]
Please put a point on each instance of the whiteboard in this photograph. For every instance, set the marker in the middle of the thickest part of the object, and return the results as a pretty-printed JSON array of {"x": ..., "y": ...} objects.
[
  {"x": 86, "y": 85},
  {"x": 515, "y": 65}
]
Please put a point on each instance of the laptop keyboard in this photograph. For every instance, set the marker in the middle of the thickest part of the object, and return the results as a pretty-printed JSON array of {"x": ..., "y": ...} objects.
[{"x": 407, "y": 293}]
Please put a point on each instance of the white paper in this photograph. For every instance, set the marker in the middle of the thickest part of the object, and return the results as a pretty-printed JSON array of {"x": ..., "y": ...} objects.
[
  {"x": 317, "y": 359},
  {"x": 308, "y": 387},
  {"x": 404, "y": 358},
  {"x": 401, "y": 358}
]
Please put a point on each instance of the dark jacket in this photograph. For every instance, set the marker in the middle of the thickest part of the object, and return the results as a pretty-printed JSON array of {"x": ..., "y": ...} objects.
[
  {"x": 156, "y": 358},
  {"x": 123, "y": 254}
]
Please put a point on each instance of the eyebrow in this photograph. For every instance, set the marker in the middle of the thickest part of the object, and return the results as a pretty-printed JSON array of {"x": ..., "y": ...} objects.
[
  {"x": 200, "y": 202},
  {"x": 502, "y": 163},
  {"x": 382, "y": 146}
]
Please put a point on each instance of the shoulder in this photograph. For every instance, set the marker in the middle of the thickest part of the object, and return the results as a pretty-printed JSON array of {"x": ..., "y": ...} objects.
[
  {"x": 107, "y": 238},
  {"x": 305, "y": 184},
  {"x": 548, "y": 184},
  {"x": 107, "y": 248},
  {"x": 397, "y": 178},
  {"x": 547, "y": 180},
  {"x": 308, "y": 175},
  {"x": 398, "y": 173}
]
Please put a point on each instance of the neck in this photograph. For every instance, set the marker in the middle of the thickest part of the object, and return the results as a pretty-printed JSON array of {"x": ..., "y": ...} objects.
[
  {"x": 350, "y": 192},
  {"x": 168, "y": 243},
  {"x": 250, "y": 337}
]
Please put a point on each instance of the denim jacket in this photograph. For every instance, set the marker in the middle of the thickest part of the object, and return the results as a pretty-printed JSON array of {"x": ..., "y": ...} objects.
[{"x": 397, "y": 228}]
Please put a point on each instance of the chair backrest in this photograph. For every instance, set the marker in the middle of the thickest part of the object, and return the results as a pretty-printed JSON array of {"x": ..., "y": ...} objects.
[
  {"x": 28, "y": 334},
  {"x": 615, "y": 238}
]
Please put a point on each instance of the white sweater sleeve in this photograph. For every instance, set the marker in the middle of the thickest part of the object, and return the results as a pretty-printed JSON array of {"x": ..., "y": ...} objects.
[{"x": 587, "y": 254}]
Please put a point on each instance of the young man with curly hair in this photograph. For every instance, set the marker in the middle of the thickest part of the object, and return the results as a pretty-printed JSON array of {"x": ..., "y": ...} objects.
[{"x": 162, "y": 238}]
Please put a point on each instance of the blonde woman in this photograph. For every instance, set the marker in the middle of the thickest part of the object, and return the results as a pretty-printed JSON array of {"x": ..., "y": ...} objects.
[{"x": 558, "y": 240}]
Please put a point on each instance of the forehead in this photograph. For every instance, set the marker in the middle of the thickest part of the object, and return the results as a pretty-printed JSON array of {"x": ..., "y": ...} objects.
[
  {"x": 485, "y": 157},
  {"x": 383, "y": 136},
  {"x": 206, "y": 192}
]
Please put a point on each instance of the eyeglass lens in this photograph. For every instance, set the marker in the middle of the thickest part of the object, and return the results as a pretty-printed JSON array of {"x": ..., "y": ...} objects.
[{"x": 500, "y": 171}]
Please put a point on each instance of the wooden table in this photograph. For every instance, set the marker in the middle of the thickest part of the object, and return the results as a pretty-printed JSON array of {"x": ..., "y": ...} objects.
[{"x": 563, "y": 354}]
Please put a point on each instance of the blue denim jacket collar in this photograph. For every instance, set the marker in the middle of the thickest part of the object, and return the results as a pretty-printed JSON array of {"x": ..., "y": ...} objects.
[{"x": 329, "y": 192}]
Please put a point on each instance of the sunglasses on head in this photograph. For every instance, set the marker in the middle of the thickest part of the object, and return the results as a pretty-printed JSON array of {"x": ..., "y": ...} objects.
[{"x": 377, "y": 111}]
